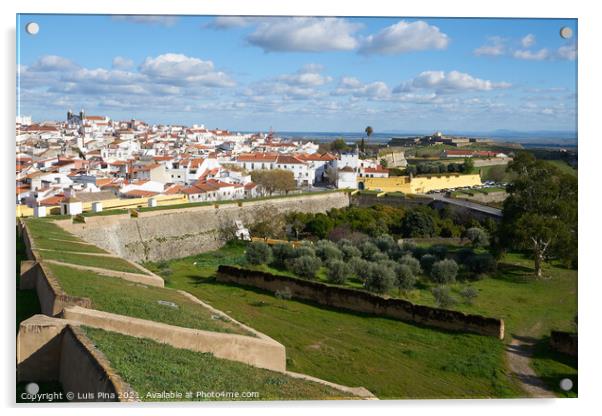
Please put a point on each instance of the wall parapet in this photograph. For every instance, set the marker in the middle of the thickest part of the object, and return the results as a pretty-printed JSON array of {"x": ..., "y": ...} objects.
[
  {"x": 364, "y": 302},
  {"x": 49, "y": 349}
]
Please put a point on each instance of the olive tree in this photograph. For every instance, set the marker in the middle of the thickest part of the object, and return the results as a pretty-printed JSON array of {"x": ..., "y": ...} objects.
[
  {"x": 259, "y": 253},
  {"x": 338, "y": 271},
  {"x": 477, "y": 236},
  {"x": 444, "y": 271}
]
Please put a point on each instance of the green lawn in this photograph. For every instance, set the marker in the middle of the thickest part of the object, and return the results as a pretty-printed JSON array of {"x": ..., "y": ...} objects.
[
  {"x": 47, "y": 235},
  {"x": 563, "y": 166},
  {"x": 118, "y": 296},
  {"x": 390, "y": 358},
  {"x": 149, "y": 366},
  {"x": 104, "y": 262}
]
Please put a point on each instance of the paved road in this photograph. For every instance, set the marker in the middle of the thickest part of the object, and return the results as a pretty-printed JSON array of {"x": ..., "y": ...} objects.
[{"x": 467, "y": 204}]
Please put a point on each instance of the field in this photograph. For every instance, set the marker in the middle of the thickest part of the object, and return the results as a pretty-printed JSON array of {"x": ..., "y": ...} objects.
[
  {"x": 390, "y": 358},
  {"x": 149, "y": 366},
  {"x": 378, "y": 350}
]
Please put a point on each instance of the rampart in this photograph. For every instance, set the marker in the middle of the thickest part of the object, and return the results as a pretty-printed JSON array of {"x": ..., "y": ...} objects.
[
  {"x": 51, "y": 349},
  {"x": 364, "y": 302},
  {"x": 171, "y": 233}
]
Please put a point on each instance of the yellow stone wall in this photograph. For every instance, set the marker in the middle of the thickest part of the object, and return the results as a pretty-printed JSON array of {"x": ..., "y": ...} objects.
[
  {"x": 420, "y": 184},
  {"x": 162, "y": 200}
]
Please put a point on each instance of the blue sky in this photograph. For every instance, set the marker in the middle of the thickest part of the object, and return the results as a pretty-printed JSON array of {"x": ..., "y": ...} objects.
[{"x": 302, "y": 74}]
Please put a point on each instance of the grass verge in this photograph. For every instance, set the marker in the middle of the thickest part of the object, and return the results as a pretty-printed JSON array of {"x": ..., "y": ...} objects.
[{"x": 151, "y": 367}]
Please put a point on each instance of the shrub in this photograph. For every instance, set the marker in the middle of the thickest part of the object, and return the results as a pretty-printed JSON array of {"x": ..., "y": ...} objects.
[
  {"x": 444, "y": 271},
  {"x": 338, "y": 271},
  {"x": 405, "y": 279},
  {"x": 259, "y": 253},
  {"x": 443, "y": 297},
  {"x": 438, "y": 251},
  {"x": 469, "y": 293},
  {"x": 464, "y": 254},
  {"x": 282, "y": 252},
  {"x": 426, "y": 262},
  {"x": 412, "y": 263},
  {"x": 408, "y": 246},
  {"x": 350, "y": 251},
  {"x": 481, "y": 264},
  {"x": 477, "y": 236},
  {"x": 379, "y": 256},
  {"x": 368, "y": 249},
  {"x": 381, "y": 278},
  {"x": 418, "y": 252},
  {"x": 304, "y": 266},
  {"x": 418, "y": 223},
  {"x": 385, "y": 242},
  {"x": 360, "y": 268},
  {"x": 327, "y": 250},
  {"x": 304, "y": 250}
]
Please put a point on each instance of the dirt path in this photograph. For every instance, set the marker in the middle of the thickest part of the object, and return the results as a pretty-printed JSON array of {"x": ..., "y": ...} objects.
[{"x": 519, "y": 354}]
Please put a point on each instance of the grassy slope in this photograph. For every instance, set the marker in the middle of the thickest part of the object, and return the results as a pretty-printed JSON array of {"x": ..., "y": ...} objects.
[
  {"x": 104, "y": 262},
  {"x": 390, "y": 358},
  {"x": 563, "y": 166},
  {"x": 149, "y": 366},
  {"x": 48, "y": 235},
  {"x": 126, "y": 298}
]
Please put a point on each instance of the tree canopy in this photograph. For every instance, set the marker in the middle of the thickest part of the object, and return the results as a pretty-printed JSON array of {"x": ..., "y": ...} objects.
[
  {"x": 540, "y": 213},
  {"x": 274, "y": 180}
]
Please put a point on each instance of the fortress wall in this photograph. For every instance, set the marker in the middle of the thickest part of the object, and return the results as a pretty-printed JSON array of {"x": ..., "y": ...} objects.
[
  {"x": 52, "y": 349},
  {"x": 262, "y": 352},
  {"x": 166, "y": 234},
  {"x": 360, "y": 301}
]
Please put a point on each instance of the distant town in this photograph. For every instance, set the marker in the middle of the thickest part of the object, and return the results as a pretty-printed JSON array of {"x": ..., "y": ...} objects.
[{"x": 70, "y": 166}]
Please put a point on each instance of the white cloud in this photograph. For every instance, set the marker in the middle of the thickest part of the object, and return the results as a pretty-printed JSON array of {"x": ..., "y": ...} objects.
[
  {"x": 495, "y": 47},
  {"x": 304, "y": 34},
  {"x": 405, "y": 37},
  {"x": 161, "y": 20},
  {"x": 180, "y": 69},
  {"x": 568, "y": 52},
  {"x": 308, "y": 76},
  {"x": 453, "y": 81},
  {"x": 539, "y": 55},
  {"x": 528, "y": 40},
  {"x": 227, "y": 22},
  {"x": 353, "y": 86},
  {"x": 119, "y": 62},
  {"x": 53, "y": 63}
]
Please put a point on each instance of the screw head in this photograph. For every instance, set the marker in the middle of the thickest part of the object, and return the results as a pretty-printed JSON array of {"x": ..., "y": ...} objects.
[
  {"x": 32, "y": 28},
  {"x": 566, "y": 32},
  {"x": 566, "y": 384}
]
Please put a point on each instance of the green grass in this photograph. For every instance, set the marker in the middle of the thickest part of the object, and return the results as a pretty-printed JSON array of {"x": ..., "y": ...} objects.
[
  {"x": 48, "y": 235},
  {"x": 390, "y": 358},
  {"x": 149, "y": 366},
  {"x": 104, "y": 262},
  {"x": 552, "y": 367},
  {"x": 529, "y": 307},
  {"x": 118, "y": 296}
]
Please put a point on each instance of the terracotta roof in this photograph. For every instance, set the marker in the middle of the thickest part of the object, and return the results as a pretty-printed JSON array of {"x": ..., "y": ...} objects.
[
  {"x": 53, "y": 200},
  {"x": 139, "y": 193},
  {"x": 290, "y": 160}
]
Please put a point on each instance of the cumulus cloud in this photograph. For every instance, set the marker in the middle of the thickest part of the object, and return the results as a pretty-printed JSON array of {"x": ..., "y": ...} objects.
[
  {"x": 119, "y": 62},
  {"x": 174, "y": 68},
  {"x": 52, "y": 63},
  {"x": 529, "y": 55},
  {"x": 161, "y": 20},
  {"x": 568, "y": 52},
  {"x": 309, "y": 75},
  {"x": 528, "y": 40},
  {"x": 495, "y": 47},
  {"x": 405, "y": 37},
  {"x": 356, "y": 88},
  {"x": 448, "y": 82},
  {"x": 304, "y": 34},
  {"x": 228, "y": 22}
]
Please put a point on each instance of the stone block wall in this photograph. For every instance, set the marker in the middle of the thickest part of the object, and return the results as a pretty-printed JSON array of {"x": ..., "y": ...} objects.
[{"x": 360, "y": 301}]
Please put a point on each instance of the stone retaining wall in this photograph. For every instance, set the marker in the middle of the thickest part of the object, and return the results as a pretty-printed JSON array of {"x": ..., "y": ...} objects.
[
  {"x": 360, "y": 301},
  {"x": 167, "y": 234},
  {"x": 51, "y": 349},
  {"x": 262, "y": 352}
]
